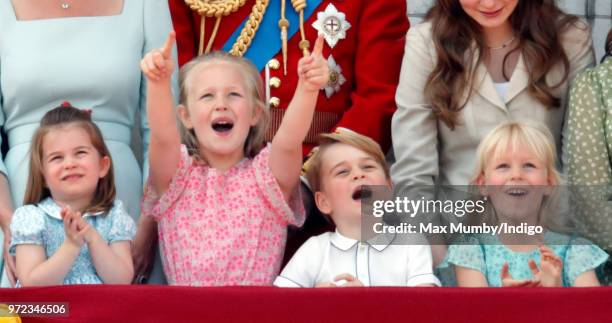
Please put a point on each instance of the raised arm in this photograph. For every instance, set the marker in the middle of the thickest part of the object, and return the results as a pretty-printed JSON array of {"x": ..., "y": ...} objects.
[
  {"x": 286, "y": 152},
  {"x": 164, "y": 146},
  {"x": 157, "y": 25}
]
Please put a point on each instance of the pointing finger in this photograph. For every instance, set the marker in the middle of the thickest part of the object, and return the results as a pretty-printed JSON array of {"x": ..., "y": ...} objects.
[
  {"x": 167, "y": 49},
  {"x": 318, "y": 47}
]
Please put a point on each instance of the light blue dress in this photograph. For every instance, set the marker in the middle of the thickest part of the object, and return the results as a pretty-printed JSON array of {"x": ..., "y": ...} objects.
[
  {"x": 93, "y": 62},
  {"x": 487, "y": 255},
  {"x": 42, "y": 225}
]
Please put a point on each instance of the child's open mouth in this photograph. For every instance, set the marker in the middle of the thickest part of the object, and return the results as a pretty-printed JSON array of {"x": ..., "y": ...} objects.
[
  {"x": 362, "y": 192},
  {"x": 222, "y": 125},
  {"x": 516, "y": 191}
]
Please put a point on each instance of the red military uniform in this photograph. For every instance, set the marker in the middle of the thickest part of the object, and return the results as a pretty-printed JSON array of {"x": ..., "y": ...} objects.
[{"x": 369, "y": 57}]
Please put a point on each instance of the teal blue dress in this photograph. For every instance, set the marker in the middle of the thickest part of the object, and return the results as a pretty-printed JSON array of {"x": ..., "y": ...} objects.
[
  {"x": 93, "y": 62},
  {"x": 487, "y": 255},
  {"x": 42, "y": 224}
]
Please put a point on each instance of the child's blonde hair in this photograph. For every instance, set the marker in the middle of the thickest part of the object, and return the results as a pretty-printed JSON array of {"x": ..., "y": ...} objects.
[
  {"x": 347, "y": 137},
  {"x": 533, "y": 135},
  {"x": 255, "y": 139},
  {"x": 59, "y": 118}
]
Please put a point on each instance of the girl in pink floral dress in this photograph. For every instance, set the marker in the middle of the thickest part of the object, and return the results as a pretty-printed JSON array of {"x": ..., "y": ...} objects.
[{"x": 223, "y": 198}]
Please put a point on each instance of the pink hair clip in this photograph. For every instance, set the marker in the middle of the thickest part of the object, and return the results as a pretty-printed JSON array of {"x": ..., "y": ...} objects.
[{"x": 66, "y": 104}]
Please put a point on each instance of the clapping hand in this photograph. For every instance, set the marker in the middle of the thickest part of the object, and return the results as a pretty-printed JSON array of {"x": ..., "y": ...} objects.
[
  {"x": 313, "y": 70},
  {"x": 551, "y": 268},
  {"x": 508, "y": 281},
  {"x": 75, "y": 227}
]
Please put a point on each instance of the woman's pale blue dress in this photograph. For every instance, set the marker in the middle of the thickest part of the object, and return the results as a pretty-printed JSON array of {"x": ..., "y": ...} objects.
[
  {"x": 42, "y": 225},
  {"x": 93, "y": 62}
]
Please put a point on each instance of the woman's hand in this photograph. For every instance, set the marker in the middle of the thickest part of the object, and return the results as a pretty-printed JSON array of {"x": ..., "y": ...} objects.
[
  {"x": 143, "y": 249},
  {"x": 9, "y": 260}
]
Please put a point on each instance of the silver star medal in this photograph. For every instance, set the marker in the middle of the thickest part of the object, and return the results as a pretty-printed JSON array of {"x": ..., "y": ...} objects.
[
  {"x": 332, "y": 24},
  {"x": 336, "y": 79}
]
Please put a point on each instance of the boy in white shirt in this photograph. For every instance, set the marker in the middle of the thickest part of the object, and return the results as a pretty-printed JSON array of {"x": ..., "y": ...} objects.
[{"x": 344, "y": 163}]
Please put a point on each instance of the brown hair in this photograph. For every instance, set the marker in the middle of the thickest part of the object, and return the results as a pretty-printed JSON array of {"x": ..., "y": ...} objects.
[
  {"x": 59, "y": 118},
  {"x": 537, "y": 24},
  {"x": 341, "y": 136},
  {"x": 255, "y": 139},
  {"x": 608, "y": 45}
]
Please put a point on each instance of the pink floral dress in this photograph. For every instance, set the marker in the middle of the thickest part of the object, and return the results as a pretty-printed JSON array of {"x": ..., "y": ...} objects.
[{"x": 222, "y": 228}]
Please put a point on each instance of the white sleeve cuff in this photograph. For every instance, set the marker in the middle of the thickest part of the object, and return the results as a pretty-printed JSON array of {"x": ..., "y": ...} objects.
[
  {"x": 281, "y": 281},
  {"x": 423, "y": 279}
]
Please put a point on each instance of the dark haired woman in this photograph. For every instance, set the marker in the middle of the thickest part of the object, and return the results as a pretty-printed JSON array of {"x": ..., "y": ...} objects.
[
  {"x": 472, "y": 65},
  {"x": 588, "y": 152}
]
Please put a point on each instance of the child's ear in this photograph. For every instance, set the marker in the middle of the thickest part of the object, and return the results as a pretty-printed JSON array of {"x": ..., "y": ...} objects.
[
  {"x": 184, "y": 116},
  {"x": 322, "y": 202},
  {"x": 105, "y": 163},
  {"x": 482, "y": 188},
  {"x": 256, "y": 115}
]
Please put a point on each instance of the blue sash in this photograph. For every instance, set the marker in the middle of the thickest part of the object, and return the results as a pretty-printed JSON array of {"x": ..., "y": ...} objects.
[{"x": 267, "y": 41}]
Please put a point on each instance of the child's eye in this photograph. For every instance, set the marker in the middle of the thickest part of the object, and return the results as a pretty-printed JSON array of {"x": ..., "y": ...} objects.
[
  {"x": 529, "y": 165},
  {"x": 54, "y": 158},
  {"x": 342, "y": 172},
  {"x": 235, "y": 94},
  {"x": 502, "y": 166},
  {"x": 206, "y": 96},
  {"x": 369, "y": 167},
  {"x": 81, "y": 152}
]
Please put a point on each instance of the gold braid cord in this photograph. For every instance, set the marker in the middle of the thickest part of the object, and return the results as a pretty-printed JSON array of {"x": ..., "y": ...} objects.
[
  {"x": 212, "y": 8},
  {"x": 250, "y": 28},
  {"x": 299, "y": 6}
]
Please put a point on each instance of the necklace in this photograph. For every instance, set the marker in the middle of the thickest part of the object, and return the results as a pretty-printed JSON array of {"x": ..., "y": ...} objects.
[{"x": 504, "y": 45}]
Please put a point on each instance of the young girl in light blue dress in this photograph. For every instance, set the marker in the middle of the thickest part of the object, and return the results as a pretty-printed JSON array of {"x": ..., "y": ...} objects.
[
  {"x": 516, "y": 174},
  {"x": 71, "y": 230}
]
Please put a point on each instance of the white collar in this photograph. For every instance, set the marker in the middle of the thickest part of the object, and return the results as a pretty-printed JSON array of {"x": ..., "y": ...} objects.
[
  {"x": 52, "y": 209},
  {"x": 378, "y": 242}
]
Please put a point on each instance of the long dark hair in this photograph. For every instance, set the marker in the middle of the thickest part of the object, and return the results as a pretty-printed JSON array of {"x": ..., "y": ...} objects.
[
  {"x": 608, "y": 46},
  {"x": 538, "y": 25}
]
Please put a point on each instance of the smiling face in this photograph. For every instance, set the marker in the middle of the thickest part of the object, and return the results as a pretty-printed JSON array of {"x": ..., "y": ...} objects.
[
  {"x": 489, "y": 13},
  {"x": 220, "y": 110},
  {"x": 71, "y": 165},
  {"x": 344, "y": 171},
  {"x": 516, "y": 180}
]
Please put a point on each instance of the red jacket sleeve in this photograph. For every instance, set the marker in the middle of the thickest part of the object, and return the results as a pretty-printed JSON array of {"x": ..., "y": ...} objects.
[
  {"x": 185, "y": 28},
  {"x": 378, "y": 56}
]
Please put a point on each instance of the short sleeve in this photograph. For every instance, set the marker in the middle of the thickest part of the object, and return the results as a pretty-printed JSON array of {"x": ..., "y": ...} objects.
[
  {"x": 154, "y": 205},
  {"x": 468, "y": 255},
  {"x": 157, "y": 26},
  {"x": 292, "y": 211},
  {"x": 123, "y": 227},
  {"x": 581, "y": 257},
  {"x": 302, "y": 269},
  {"x": 419, "y": 266},
  {"x": 27, "y": 227}
]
